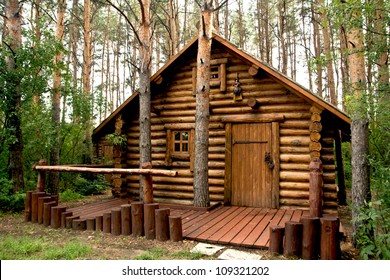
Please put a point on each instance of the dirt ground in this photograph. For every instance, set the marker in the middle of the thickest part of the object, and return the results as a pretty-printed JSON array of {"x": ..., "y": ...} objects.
[{"x": 107, "y": 246}]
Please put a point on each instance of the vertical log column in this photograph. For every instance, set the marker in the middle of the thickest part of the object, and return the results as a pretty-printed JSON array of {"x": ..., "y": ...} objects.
[
  {"x": 310, "y": 238},
  {"x": 41, "y": 201},
  {"x": 117, "y": 190},
  {"x": 162, "y": 224},
  {"x": 329, "y": 248},
  {"x": 150, "y": 220},
  {"x": 126, "y": 219},
  {"x": 116, "y": 221},
  {"x": 293, "y": 240},
  {"x": 175, "y": 228},
  {"x": 276, "y": 237},
  {"x": 34, "y": 205},
  {"x": 315, "y": 167},
  {"x": 315, "y": 188},
  {"x": 137, "y": 218}
]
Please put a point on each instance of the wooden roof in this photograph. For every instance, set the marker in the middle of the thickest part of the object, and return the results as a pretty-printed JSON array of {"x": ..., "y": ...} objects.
[{"x": 342, "y": 119}]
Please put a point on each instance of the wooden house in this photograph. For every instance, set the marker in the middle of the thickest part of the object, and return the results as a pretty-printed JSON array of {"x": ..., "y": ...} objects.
[{"x": 264, "y": 131}]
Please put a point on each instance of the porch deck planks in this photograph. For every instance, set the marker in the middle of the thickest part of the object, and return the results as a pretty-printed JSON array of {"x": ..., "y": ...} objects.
[{"x": 228, "y": 225}]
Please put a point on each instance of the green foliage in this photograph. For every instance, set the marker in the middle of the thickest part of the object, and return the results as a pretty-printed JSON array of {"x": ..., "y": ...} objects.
[
  {"x": 187, "y": 255},
  {"x": 85, "y": 186},
  {"x": 31, "y": 248},
  {"x": 69, "y": 195},
  {"x": 117, "y": 139},
  {"x": 10, "y": 202}
]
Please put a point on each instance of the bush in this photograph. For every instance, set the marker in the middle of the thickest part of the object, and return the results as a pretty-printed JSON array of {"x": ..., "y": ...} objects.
[
  {"x": 10, "y": 202},
  {"x": 69, "y": 195},
  {"x": 95, "y": 185}
]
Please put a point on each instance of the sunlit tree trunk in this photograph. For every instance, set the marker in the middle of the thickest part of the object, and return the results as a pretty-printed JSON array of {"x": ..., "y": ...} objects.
[
  {"x": 54, "y": 177},
  {"x": 201, "y": 185},
  {"x": 317, "y": 44},
  {"x": 13, "y": 40}
]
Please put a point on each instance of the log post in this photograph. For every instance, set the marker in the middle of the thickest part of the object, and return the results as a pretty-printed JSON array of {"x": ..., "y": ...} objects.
[
  {"x": 162, "y": 224},
  {"x": 27, "y": 207},
  {"x": 99, "y": 223},
  {"x": 137, "y": 218},
  {"x": 175, "y": 228},
  {"x": 147, "y": 184},
  {"x": 79, "y": 224},
  {"x": 150, "y": 220},
  {"x": 293, "y": 240},
  {"x": 276, "y": 237},
  {"x": 34, "y": 205},
  {"x": 107, "y": 222},
  {"x": 41, "y": 181},
  {"x": 315, "y": 189},
  {"x": 55, "y": 216},
  {"x": 329, "y": 238},
  {"x": 126, "y": 219},
  {"x": 90, "y": 224},
  {"x": 47, "y": 212},
  {"x": 64, "y": 215},
  {"x": 310, "y": 238},
  {"x": 116, "y": 221},
  {"x": 69, "y": 221},
  {"x": 41, "y": 201}
]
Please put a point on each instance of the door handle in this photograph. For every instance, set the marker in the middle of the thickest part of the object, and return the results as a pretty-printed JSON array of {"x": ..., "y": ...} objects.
[{"x": 269, "y": 161}]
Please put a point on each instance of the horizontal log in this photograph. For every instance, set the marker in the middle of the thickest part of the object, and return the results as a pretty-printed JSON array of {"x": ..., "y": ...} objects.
[
  {"x": 315, "y": 136},
  {"x": 294, "y": 141},
  {"x": 179, "y": 195},
  {"x": 178, "y": 180},
  {"x": 264, "y": 98},
  {"x": 330, "y": 187},
  {"x": 315, "y": 146},
  {"x": 294, "y": 202},
  {"x": 294, "y": 132},
  {"x": 294, "y": 176},
  {"x": 315, "y": 127},
  {"x": 295, "y": 124},
  {"x": 315, "y": 118},
  {"x": 249, "y": 118},
  {"x": 294, "y": 186},
  {"x": 295, "y": 158},
  {"x": 294, "y": 150},
  {"x": 106, "y": 170},
  {"x": 294, "y": 194},
  {"x": 279, "y": 108},
  {"x": 294, "y": 166}
]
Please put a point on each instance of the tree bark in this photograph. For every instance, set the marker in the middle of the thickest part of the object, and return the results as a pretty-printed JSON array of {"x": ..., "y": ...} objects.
[
  {"x": 201, "y": 187},
  {"x": 359, "y": 125},
  {"x": 317, "y": 44},
  {"x": 54, "y": 177},
  {"x": 145, "y": 143},
  {"x": 87, "y": 62},
  {"x": 13, "y": 111}
]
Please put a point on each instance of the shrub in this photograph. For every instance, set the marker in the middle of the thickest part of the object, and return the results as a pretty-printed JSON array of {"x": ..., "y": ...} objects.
[
  {"x": 10, "y": 202},
  {"x": 86, "y": 186}
]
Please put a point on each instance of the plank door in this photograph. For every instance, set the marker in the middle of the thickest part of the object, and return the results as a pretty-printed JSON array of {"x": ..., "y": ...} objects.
[{"x": 251, "y": 174}]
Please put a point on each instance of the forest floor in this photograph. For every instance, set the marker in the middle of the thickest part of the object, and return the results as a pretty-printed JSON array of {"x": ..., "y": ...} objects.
[{"x": 108, "y": 247}]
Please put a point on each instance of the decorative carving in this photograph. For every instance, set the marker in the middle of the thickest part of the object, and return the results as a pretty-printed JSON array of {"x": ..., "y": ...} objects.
[{"x": 237, "y": 96}]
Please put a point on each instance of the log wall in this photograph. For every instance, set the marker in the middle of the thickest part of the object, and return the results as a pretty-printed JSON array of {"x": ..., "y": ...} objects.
[{"x": 174, "y": 108}]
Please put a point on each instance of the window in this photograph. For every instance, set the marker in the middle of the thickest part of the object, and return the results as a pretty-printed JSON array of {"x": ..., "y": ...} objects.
[
  {"x": 181, "y": 142},
  {"x": 214, "y": 73}
]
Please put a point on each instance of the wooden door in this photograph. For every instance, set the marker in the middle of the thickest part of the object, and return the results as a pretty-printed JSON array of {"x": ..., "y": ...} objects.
[{"x": 251, "y": 173}]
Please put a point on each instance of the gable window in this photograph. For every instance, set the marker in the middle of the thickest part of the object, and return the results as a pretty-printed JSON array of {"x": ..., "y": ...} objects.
[{"x": 181, "y": 142}]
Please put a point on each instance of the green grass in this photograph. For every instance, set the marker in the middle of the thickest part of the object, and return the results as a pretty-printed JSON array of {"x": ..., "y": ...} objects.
[
  {"x": 152, "y": 254},
  {"x": 28, "y": 248},
  {"x": 163, "y": 254}
]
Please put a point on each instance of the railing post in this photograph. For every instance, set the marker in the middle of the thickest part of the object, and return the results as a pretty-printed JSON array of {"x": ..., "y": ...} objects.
[
  {"x": 315, "y": 189},
  {"x": 41, "y": 182}
]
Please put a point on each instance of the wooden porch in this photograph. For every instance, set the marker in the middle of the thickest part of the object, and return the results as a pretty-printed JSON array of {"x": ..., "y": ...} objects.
[{"x": 228, "y": 225}]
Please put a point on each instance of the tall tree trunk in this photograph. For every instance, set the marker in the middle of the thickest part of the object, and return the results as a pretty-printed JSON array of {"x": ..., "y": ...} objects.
[
  {"x": 282, "y": 26},
  {"x": 145, "y": 143},
  {"x": 54, "y": 177},
  {"x": 359, "y": 125},
  {"x": 260, "y": 29},
  {"x": 13, "y": 37},
  {"x": 201, "y": 185},
  {"x": 87, "y": 62},
  {"x": 383, "y": 52},
  {"x": 74, "y": 38},
  {"x": 226, "y": 21},
  {"x": 38, "y": 35},
  {"x": 344, "y": 64},
  {"x": 317, "y": 44},
  {"x": 306, "y": 45},
  {"x": 216, "y": 18},
  {"x": 328, "y": 55},
  {"x": 240, "y": 25}
]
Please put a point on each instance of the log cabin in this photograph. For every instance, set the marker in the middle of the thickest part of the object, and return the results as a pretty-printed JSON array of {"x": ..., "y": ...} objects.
[{"x": 264, "y": 131}]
